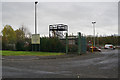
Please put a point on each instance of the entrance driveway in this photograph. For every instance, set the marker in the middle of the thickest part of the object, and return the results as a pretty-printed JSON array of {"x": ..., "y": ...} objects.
[{"x": 91, "y": 65}]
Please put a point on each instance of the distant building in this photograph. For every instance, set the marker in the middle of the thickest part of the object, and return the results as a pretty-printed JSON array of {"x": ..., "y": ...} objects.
[
  {"x": 89, "y": 35},
  {"x": 58, "y": 30},
  {"x": 71, "y": 40}
]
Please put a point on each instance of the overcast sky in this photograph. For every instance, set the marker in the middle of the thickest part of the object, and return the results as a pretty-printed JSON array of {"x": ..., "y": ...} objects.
[{"x": 77, "y": 15}]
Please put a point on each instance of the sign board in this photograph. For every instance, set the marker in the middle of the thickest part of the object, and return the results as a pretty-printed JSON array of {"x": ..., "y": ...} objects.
[{"x": 35, "y": 39}]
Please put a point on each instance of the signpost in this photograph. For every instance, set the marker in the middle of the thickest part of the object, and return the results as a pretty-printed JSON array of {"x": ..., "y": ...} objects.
[{"x": 35, "y": 41}]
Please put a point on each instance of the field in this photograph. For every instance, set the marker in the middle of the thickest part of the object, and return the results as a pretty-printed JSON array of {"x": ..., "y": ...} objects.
[{"x": 28, "y": 53}]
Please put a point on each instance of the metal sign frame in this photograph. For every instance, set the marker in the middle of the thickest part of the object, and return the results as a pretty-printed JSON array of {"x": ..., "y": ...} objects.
[{"x": 35, "y": 39}]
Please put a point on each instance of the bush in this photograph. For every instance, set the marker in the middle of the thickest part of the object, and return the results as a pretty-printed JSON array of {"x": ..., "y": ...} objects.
[
  {"x": 20, "y": 46},
  {"x": 51, "y": 45}
]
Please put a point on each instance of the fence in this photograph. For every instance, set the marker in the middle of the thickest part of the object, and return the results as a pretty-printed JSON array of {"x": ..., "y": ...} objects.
[{"x": 70, "y": 44}]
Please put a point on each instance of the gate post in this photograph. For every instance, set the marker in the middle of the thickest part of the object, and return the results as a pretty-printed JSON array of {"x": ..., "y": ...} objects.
[
  {"x": 79, "y": 43},
  {"x": 84, "y": 45},
  {"x": 66, "y": 43}
]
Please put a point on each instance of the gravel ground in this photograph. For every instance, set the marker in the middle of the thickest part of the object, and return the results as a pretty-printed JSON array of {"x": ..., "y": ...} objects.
[{"x": 91, "y": 65}]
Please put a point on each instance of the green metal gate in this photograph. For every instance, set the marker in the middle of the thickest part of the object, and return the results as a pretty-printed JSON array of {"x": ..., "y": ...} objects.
[{"x": 80, "y": 43}]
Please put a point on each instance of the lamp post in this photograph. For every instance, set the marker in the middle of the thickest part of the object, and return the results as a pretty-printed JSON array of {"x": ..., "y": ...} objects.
[
  {"x": 97, "y": 39},
  {"x": 93, "y": 22},
  {"x": 36, "y": 25},
  {"x": 35, "y": 18}
]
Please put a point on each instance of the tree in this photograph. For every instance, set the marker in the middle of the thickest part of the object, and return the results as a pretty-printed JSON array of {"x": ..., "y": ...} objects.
[
  {"x": 20, "y": 35},
  {"x": 9, "y": 34},
  {"x": 27, "y": 34},
  {"x": 23, "y": 38},
  {"x": 8, "y": 38},
  {"x": 112, "y": 39}
]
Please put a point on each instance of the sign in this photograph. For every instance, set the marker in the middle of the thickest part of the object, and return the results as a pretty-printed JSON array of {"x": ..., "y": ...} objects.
[{"x": 35, "y": 39}]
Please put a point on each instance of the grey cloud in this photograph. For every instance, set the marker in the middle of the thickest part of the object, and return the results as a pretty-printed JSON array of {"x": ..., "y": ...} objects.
[
  {"x": 16, "y": 14},
  {"x": 78, "y": 16}
]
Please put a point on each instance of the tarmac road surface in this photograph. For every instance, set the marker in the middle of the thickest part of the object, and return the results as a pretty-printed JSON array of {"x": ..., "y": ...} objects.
[{"x": 91, "y": 65}]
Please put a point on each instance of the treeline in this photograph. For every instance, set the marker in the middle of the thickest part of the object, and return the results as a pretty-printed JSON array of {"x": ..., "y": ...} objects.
[
  {"x": 102, "y": 40},
  {"x": 20, "y": 40},
  {"x": 15, "y": 40}
]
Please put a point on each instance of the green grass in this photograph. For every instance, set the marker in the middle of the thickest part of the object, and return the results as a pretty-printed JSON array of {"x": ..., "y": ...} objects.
[{"x": 28, "y": 53}]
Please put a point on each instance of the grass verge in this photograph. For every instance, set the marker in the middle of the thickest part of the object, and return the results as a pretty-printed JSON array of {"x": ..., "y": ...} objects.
[{"x": 29, "y": 53}]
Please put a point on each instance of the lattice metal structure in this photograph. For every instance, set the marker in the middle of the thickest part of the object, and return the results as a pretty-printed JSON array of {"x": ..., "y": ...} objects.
[{"x": 58, "y": 30}]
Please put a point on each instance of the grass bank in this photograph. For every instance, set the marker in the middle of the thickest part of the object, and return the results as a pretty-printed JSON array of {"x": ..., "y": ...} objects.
[{"x": 28, "y": 53}]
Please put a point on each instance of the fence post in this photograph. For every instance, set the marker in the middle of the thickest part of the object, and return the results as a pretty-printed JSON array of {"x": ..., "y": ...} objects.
[
  {"x": 66, "y": 43},
  {"x": 82, "y": 44},
  {"x": 85, "y": 44},
  {"x": 79, "y": 43}
]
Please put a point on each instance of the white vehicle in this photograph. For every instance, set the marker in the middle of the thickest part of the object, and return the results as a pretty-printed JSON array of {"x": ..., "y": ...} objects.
[{"x": 109, "y": 46}]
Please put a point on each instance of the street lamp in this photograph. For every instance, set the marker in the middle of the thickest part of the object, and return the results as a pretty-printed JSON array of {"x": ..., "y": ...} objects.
[
  {"x": 35, "y": 19},
  {"x": 97, "y": 39},
  {"x": 93, "y": 22}
]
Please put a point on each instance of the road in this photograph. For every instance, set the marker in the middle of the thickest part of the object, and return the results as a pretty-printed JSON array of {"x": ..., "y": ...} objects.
[{"x": 91, "y": 65}]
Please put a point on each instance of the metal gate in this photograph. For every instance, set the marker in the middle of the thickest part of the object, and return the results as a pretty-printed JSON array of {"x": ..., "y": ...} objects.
[{"x": 80, "y": 44}]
